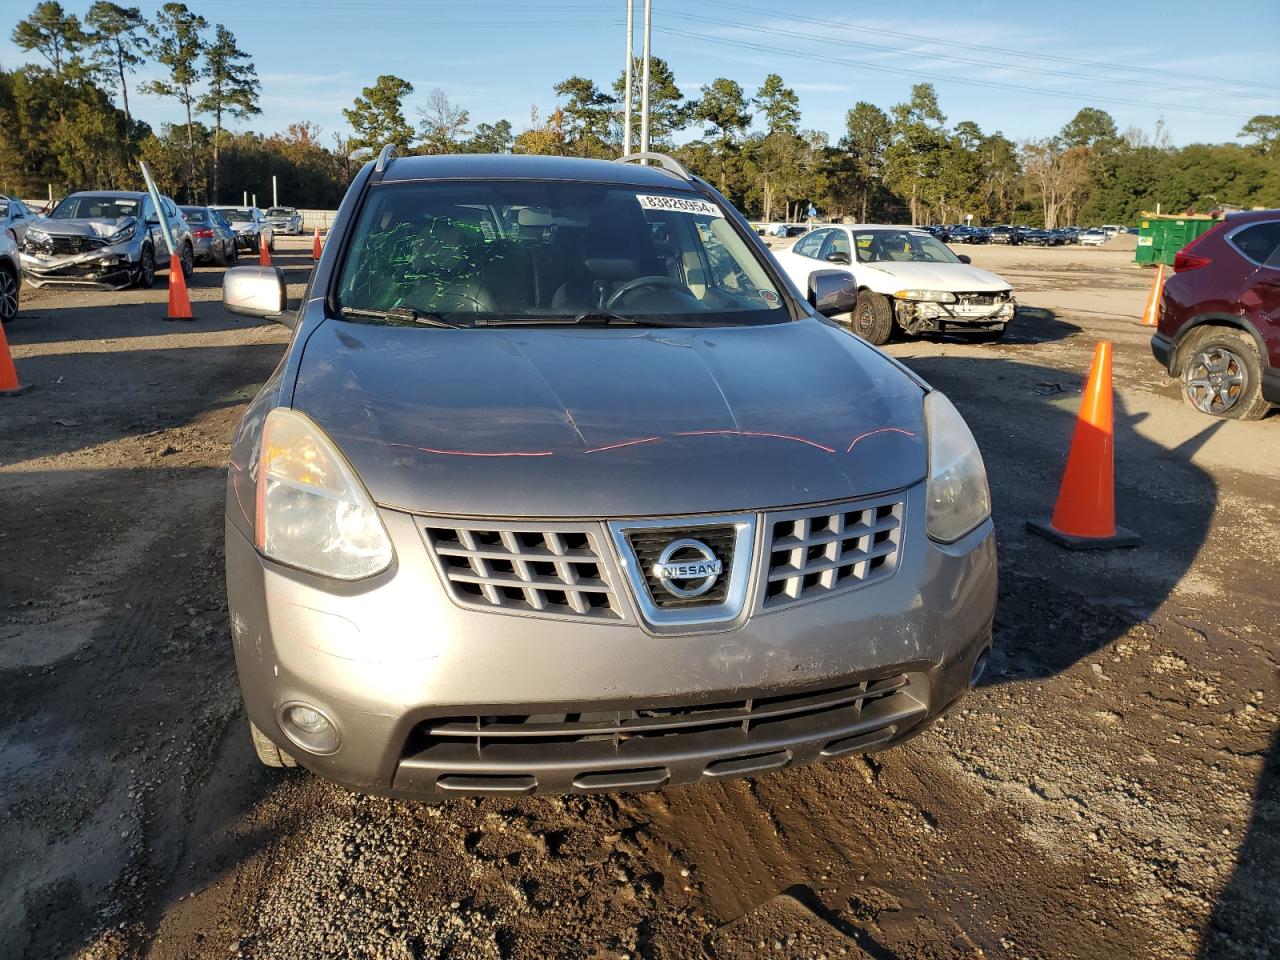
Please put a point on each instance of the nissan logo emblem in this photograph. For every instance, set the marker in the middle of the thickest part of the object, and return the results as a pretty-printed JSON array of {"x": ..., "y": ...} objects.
[{"x": 693, "y": 574}]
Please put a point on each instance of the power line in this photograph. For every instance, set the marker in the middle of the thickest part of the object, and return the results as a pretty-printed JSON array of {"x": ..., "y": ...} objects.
[
  {"x": 984, "y": 48},
  {"x": 781, "y": 32},
  {"x": 944, "y": 78}
]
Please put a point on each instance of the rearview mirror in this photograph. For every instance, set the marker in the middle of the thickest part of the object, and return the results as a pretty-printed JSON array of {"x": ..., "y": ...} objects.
[
  {"x": 832, "y": 291},
  {"x": 964, "y": 258},
  {"x": 256, "y": 292}
]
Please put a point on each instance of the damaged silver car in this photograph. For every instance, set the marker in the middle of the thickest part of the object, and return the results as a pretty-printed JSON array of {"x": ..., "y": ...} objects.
[{"x": 106, "y": 239}]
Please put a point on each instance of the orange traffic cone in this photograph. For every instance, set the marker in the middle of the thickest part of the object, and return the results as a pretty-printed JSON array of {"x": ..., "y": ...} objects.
[
  {"x": 264, "y": 253},
  {"x": 179, "y": 302},
  {"x": 1151, "y": 314},
  {"x": 9, "y": 385},
  {"x": 1084, "y": 517},
  {"x": 315, "y": 245}
]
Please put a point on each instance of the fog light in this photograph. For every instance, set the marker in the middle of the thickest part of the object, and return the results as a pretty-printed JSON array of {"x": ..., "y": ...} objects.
[
  {"x": 308, "y": 728},
  {"x": 307, "y": 720}
]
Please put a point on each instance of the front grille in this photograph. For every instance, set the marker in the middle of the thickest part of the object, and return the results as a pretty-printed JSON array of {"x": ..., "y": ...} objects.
[
  {"x": 67, "y": 246},
  {"x": 647, "y": 544},
  {"x": 638, "y": 747},
  {"x": 815, "y": 552},
  {"x": 552, "y": 569},
  {"x": 981, "y": 299}
]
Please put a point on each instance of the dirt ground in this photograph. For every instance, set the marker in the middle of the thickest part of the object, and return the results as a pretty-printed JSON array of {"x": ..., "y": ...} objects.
[{"x": 1112, "y": 790}]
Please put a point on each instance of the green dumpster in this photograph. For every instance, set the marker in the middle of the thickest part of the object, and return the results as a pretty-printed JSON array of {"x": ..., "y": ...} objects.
[{"x": 1161, "y": 236}]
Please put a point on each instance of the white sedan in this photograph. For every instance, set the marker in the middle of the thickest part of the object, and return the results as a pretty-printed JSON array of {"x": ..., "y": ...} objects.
[{"x": 908, "y": 281}]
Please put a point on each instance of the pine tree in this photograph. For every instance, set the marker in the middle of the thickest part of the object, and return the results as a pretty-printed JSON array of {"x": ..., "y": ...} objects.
[
  {"x": 179, "y": 42},
  {"x": 377, "y": 115},
  {"x": 233, "y": 89},
  {"x": 119, "y": 40}
]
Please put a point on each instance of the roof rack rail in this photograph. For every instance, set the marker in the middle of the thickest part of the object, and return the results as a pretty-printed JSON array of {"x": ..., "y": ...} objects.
[
  {"x": 668, "y": 163},
  {"x": 389, "y": 153}
]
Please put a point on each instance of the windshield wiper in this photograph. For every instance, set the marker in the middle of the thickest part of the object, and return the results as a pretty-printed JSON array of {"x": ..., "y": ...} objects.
[{"x": 401, "y": 316}]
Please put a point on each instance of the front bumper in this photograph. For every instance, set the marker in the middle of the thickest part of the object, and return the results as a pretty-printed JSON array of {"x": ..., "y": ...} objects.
[
  {"x": 429, "y": 697},
  {"x": 1163, "y": 349},
  {"x": 919, "y": 317},
  {"x": 202, "y": 248},
  {"x": 108, "y": 268}
]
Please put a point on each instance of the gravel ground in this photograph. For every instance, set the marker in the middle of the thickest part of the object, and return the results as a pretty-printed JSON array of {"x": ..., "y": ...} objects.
[{"x": 1113, "y": 790}]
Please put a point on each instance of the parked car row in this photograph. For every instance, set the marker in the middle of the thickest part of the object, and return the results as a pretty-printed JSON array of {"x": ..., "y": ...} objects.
[
  {"x": 1036, "y": 236},
  {"x": 113, "y": 239}
]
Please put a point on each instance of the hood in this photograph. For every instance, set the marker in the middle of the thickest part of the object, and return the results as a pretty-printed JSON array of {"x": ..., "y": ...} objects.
[
  {"x": 556, "y": 422},
  {"x": 83, "y": 227},
  {"x": 954, "y": 277}
]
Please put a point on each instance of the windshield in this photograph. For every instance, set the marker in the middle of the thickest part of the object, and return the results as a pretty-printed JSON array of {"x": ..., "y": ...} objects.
[
  {"x": 901, "y": 246},
  {"x": 509, "y": 251},
  {"x": 281, "y": 212},
  {"x": 238, "y": 216},
  {"x": 97, "y": 208}
]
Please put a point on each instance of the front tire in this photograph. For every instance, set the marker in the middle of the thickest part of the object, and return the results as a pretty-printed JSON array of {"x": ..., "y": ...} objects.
[
  {"x": 146, "y": 275},
  {"x": 8, "y": 295},
  {"x": 268, "y": 752},
  {"x": 873, "y": 318},
  {"x": 1222, "y": 374}
]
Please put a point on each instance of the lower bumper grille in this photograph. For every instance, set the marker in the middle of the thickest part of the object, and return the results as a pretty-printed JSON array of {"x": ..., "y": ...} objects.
[{"x": 643, "y": 748}]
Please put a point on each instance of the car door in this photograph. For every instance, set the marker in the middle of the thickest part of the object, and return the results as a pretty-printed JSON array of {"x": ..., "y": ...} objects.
[
  {"x": 18, "y": 219},
  {"x": 837, "y": 251},
  {"x": 154, "y": 232},
  {"x": 176, "y": 223},
  {"x": 1259, "y": 243},
  {"x": 803, "y": 258}
]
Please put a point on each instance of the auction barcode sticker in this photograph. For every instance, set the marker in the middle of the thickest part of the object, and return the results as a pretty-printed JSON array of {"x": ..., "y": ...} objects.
[{"x": 679, "y": 205}]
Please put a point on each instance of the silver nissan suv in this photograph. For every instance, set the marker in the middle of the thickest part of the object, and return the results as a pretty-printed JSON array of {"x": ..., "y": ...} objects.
[{"x": 562, "y": 486}]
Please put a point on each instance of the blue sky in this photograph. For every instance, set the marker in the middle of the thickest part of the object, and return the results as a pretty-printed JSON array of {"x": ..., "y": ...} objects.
[{"x": 1019, "y": 67}]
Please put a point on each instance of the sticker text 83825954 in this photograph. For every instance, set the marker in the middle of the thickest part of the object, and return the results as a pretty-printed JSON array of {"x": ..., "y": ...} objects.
[{"x": 679, "y": 205}]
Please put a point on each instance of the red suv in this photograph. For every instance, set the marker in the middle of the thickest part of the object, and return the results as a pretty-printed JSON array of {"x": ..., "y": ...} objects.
[{"x": 1219, "y": 329}]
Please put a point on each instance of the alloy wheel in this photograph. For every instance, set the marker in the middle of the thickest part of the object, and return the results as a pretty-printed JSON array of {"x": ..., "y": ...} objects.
[
  {"x": 8, "y": 296},
  {"x": 1215, "y": 380}
]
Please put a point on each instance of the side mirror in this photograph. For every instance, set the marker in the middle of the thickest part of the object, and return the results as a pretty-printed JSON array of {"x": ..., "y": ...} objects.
[
  {"x": 838, "y": 257},
  {"x": 256, "y": 292},
  {"x": 832, "y": 291},
  {"x": 153, "y": 219},
  {"x": 964, "y": 258}
]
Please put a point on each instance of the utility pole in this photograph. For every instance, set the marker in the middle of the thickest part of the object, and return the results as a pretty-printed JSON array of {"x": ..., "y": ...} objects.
[
  {"x": 626, "y": 112},
  {"x": 275, "y": 197},
  {"x": 644, "y": 80}
]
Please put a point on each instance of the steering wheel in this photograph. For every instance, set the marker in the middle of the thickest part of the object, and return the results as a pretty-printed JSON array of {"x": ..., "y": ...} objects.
[{"x": 639, "y": 283}]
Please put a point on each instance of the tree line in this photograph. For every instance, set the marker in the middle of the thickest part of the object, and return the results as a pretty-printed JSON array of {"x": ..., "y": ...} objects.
[{"x": 904, "y": 164}]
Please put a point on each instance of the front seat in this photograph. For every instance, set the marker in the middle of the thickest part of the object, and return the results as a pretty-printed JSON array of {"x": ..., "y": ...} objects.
[
  {"x": 449, "y": 267},
  {"x": 608, "y": 255}
]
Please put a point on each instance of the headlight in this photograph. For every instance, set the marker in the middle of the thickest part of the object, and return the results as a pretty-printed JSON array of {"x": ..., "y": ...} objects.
[
  {"x": 957, "y": 492},
  {"x": 929, "y": 296},
  {"x": 312, "y": 510},
  {"x": 36, "y": 236},
  {"x": 120, "y": 236}
]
